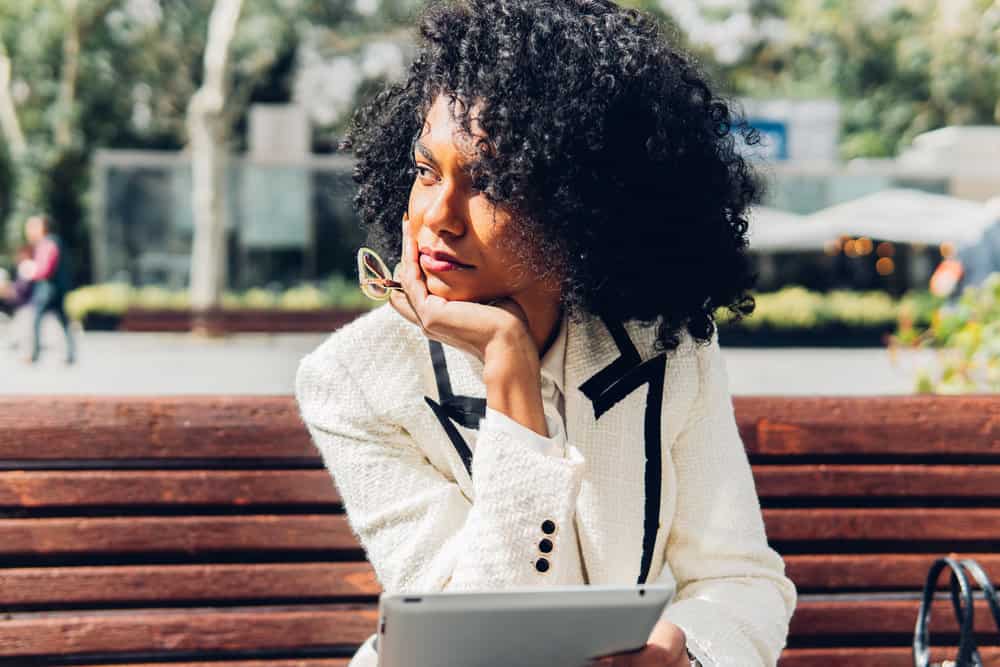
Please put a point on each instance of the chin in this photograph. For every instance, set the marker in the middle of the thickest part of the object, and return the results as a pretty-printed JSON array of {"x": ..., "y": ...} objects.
[{"x": 438, "y": 287}]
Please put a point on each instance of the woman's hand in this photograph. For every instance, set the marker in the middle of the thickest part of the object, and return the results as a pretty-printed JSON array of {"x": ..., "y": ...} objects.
[
  {"x": 666, "y": 648},
  {"x": 466, "y": 325}
]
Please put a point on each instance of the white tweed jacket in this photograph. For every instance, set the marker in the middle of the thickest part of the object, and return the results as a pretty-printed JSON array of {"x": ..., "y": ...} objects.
[{"x": 655, "y": 487}]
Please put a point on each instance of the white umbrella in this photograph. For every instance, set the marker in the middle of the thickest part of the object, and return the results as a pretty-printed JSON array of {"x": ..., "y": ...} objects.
[
  {"x": 774, "y": 230},
  {"x": 906, "y": 216}
]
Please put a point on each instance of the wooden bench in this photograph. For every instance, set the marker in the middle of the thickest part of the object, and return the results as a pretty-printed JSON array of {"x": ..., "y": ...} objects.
[{"x": 205, "y": 531}]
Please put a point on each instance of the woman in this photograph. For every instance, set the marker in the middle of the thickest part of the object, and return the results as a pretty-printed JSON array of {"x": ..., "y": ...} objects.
[{"x": 544, "y": 401}]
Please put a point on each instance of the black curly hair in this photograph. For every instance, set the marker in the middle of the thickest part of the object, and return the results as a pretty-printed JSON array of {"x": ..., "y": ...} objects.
[{"x": 607, "y": 140}]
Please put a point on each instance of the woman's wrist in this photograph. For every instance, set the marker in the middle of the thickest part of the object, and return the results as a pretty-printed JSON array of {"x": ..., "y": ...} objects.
[{"x": 511, "y": 371}]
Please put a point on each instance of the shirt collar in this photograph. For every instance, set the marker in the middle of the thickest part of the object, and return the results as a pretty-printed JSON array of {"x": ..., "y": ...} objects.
[{"x": 553, "y": 362}]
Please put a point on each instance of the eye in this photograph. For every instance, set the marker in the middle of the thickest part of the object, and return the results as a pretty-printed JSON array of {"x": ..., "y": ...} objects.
[{"x": 423, "y": 171}]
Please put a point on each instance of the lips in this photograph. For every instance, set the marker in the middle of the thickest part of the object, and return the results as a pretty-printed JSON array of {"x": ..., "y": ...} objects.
[{"x": 441, "y": 256}]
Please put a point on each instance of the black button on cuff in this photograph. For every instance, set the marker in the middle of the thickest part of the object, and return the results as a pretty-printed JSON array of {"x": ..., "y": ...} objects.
[
  {"x": 548, "y": 527},
  {"x": 545, "y": 546},
  {"x": 542, "y": 565}
]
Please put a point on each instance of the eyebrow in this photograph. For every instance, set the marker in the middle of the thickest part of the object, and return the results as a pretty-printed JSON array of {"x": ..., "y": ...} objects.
[{"x": 426, "y": 152}]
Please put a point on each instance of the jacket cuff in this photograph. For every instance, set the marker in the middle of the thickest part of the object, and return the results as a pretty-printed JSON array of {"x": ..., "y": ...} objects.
[
  {"x": 698, "y": 651},
  {"x": 522, "y": 517}
]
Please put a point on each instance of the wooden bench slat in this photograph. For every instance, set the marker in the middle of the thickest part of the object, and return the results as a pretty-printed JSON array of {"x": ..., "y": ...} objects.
[
  {"x": 808, "y": 425},
  {"x": 58, "y": 488},
  {"x": 873, "y": 656},
  {"x": 141, "y": 427},
  {"x": 260, "y": 581},
  {"x": 883, "y": 524},
  {"x": 872, "y": 481},
  {"x": 900, "y": 571},
  {"x": 269, "y": 532},
  {"x": 181, "y": 534},
  {"x": 172, "y": 583},
  {"x": 814, "y": 618},
  {"x": 246, "y": 628},
  {"x": 303, "y": 662},
  {"x": 254, "y": 628},
  {"x": 116, "y": 428}
]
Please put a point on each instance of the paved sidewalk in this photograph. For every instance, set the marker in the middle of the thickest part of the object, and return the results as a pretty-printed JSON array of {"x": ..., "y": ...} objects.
[{"x": 123, "y": 363}]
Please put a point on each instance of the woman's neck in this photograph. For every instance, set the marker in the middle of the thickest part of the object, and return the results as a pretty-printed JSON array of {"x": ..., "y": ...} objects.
[{"x": 544, "y": 318}]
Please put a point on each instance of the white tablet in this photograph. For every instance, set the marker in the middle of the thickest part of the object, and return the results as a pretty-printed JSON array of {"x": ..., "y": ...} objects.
[{"x": 563, "y": 626}]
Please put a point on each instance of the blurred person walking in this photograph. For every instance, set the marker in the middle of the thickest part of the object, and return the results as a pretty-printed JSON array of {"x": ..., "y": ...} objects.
[
  {"x": 16, "y": 295},
  {"x": 50, "y": 282}
]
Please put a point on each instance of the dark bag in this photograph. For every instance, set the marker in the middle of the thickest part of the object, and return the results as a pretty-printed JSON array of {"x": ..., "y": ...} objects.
[{"x": 962, "y": 602}]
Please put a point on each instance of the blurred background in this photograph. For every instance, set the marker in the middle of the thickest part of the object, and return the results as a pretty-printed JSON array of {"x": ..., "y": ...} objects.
[{"x": 186, "y": 154}]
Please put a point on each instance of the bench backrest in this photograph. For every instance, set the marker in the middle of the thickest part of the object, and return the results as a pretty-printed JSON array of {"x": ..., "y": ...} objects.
[{"x": 148, "y": 529}]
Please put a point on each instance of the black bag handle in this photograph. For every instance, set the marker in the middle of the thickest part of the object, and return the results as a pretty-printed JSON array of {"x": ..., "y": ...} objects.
[
  {"x": 975, "y": 660},
  {"x": 959, "y": 586},
  {"x": 989, "y": 592}
]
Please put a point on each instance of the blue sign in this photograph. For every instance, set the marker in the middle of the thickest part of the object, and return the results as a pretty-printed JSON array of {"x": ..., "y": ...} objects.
[{"x": 773, "y": 140}]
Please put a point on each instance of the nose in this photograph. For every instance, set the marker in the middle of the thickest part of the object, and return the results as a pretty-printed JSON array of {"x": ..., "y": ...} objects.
[{"x": 444, "y": 215}]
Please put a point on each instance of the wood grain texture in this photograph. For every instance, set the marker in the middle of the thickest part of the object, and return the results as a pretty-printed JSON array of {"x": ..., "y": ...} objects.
[
  {"x": 784, "y": 425},
  {"x": 897, "y": 656},
  {"x": 881, "y": 617},
  {"x": 182, "y": 534},
  {"x": 885, "y": 571},
  {"x": 114, "y": 428},
  {"x": 115, "y": 584},
  {"x": 872, "y": 481},
  {"x": 271, "y": 532},
  {"x": 897, "y": 523},
  {"x": 303, "y": 662},
  {"x": 114, "y": 488},
  {"x": 110, "y": 488},
  {"x": 141, "y": 427},
  {"x": 248, "y": 628}
]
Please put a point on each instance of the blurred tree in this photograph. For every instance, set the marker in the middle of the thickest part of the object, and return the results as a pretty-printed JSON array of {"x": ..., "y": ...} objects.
[
  {"x": 207, "y": 131},
  {"x": 900, "y": 67},
  {"x": 44, "y": 151},
  {"x": 78, "y": 75}
]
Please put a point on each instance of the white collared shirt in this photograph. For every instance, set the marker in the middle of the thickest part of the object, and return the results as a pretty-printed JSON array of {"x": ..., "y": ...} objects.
[{"x": 553, "y": 403}]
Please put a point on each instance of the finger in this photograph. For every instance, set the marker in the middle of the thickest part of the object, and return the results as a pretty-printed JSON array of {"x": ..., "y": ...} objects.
[
  {"x": 401, "y": 299},
  {"x": 410, "y": 274},
  {"x": 402, "y": 306},
  {"x": 420, "y": 279}
]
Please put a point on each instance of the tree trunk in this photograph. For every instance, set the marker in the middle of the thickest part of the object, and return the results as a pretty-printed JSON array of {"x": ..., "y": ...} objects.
[
  {"x": 9, "y": 124},
  {"x": 63, "y": 130},
  {"x": 208, "y": 135},
  {"x": 13, "y": 136}
]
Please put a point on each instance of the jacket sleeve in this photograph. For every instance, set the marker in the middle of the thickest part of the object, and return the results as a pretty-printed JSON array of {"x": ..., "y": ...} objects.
[
  {"x": 553, "y": 445},
  {"x": 419, "y": 530},
  {"x": 733, "y": 600}
]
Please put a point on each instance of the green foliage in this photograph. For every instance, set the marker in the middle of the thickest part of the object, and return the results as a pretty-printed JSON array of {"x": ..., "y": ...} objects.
[
  {"x": 899, "y": 68},
  {"x": 116, "y": 298},
  {"x": 966, "y": 334},
  {"x": 796, "y": 307},
  {"x": 139, "y": 64}
]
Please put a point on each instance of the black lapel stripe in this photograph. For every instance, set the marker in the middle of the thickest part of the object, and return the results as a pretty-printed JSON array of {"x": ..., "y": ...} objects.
[
  {"x": 610, "y": 385},
  {"x": 461, "y": 446},
  {"x": 466, "y": 410},
  {"x": 654, "y": 371}
]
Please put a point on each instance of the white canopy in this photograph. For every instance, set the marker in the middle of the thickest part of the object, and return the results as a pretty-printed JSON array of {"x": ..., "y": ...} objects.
[
  {"x": 906, "y": 216},
  {"x": 774, "y": 230}
]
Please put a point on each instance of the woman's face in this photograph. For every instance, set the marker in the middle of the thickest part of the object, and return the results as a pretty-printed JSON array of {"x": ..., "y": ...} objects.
[{"x": 446, "y": 214}]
